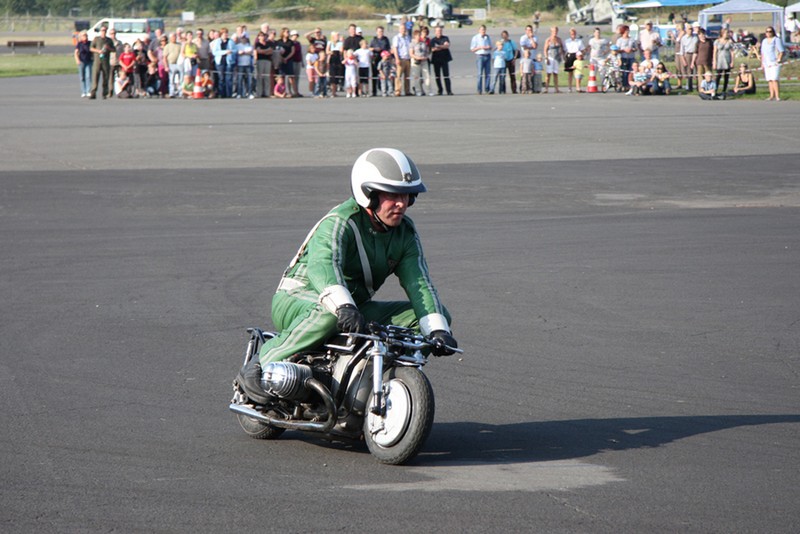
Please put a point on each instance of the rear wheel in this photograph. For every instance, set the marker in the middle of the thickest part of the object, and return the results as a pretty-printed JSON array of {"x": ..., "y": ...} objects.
[
  {"x": 398, "y": 436},
  {"x": 258, "y": 430}
]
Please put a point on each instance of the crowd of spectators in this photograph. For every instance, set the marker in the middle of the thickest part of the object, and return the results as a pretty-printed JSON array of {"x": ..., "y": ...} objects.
[{"x": 223, "y": 64}]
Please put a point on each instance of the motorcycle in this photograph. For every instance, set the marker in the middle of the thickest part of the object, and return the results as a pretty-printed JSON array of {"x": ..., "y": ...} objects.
[{"x": 356, "y": 386}]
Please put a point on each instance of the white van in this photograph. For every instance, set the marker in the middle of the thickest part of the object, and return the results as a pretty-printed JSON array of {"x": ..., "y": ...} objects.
[{"x": 128, "y": 30}]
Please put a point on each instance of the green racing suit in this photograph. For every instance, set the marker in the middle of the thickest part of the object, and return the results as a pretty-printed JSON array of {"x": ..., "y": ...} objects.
[{"x": 344, "y": 260}]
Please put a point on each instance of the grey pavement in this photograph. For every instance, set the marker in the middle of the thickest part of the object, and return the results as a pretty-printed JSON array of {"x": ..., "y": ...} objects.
[
  {"x": 466, "y": 128},
  {"x": 623, "y": 274}
]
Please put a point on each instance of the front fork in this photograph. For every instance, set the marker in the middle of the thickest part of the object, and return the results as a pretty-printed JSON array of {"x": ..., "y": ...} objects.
[
  {"x": 252, "y": 346},
  {"x": 257, "y": 338},
  {"x": 378, "y": 405}
]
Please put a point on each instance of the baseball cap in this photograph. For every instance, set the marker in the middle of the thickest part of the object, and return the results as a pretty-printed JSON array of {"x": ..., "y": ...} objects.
[
  {"x": 358, "y": 29},
  {"x": 294, "y": 32}
]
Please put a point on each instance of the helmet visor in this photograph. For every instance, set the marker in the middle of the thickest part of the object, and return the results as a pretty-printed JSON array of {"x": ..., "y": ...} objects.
[{"x": 402, "y": 189}]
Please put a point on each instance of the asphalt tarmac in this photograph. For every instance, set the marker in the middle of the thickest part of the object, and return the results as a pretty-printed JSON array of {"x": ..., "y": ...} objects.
[{"x": 622, "y": 272}]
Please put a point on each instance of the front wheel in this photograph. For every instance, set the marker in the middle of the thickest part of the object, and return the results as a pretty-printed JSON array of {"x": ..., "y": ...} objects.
[{"x": 398, "y": 436}]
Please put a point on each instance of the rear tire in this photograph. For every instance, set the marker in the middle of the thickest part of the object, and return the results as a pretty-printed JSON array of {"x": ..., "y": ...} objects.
[
  {"x": 402, "y": 432},
  {"x": 258, "y": 430}
]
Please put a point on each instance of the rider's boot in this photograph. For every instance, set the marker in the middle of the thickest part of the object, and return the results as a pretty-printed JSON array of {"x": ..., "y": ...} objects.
[{"x": 250, "y": 380}]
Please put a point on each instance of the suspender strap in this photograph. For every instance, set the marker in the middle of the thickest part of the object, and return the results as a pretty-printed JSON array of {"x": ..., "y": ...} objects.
[{"x": 363, "y": 255}]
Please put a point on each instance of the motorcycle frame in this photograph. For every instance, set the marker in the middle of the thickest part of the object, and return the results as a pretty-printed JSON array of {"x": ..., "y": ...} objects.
[{"x": 377, "y": 348}]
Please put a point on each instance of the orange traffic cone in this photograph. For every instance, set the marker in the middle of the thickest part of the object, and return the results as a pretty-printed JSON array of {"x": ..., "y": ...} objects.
[
  {"x": 592, "y": 87},
  {"x": 198, "y": 86}
]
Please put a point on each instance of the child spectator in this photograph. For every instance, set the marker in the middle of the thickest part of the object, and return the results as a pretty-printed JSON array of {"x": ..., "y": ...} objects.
[
  {"x": 637, "y": 80},
  {"x": 613, "y": 67},
  {"x": 122, "y": 86},
  {"x": 577, "y": 70},
  {"x": 538, "y": 68},
  {"x": 642, "y": 79},
  {"x": 708, "y": 87},
  {"x": 127, "y": 60},
  {"x": 614, "y": 60},
  {"x": 364, "y": 56},
  {"x": 187, "y": 88},
  {"x": 321, "y": 75},
  {"x": 387, "y": 72},
  {"x": 311, "y": 68},
  {"x": 350, "y": 74},
  {"x": 280, "y": 88},
  {"x": 207, "y": 84},
  {"x": 526, "y": 72},
  {"x": 151, "y": 80},
  {"x": 499, "y": 68}
]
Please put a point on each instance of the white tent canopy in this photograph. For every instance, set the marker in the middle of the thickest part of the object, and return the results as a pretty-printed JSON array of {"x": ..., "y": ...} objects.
[
  {"x": 650, "y": 4},
  {"x": 733, "y": 7},
  {"x": 794, "y": 8}
]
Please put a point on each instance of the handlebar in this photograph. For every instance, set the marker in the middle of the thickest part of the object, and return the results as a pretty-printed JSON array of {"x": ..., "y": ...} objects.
[{"x": 398, "y": 335}]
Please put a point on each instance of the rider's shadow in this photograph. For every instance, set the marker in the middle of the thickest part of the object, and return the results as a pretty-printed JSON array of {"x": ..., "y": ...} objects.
[{"x": 471, "y": 443}]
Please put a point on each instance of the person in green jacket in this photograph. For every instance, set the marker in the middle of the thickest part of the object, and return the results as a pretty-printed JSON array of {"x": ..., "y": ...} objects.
[{"x": 346, "y": 257}]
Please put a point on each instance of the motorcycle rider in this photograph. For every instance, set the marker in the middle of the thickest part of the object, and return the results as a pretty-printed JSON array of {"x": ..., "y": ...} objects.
[{"x": 329, "y": 284}]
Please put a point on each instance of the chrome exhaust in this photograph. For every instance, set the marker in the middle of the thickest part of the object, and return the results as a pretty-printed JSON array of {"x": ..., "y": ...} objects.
[{"x": 309, "y": 426}]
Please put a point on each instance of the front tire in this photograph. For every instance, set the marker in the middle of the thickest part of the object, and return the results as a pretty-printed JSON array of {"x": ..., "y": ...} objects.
[
  {"x": 398, "y": 436},
  {"x": 606, "y": 84},
  {"x": 258, "y": 430}
]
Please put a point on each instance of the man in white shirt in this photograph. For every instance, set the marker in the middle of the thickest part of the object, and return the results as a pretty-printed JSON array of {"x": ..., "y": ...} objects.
[
  {"x": 649, "y": 39},
  {"x": 401, "y": 50},
  {"x": 528, "y": 41},
  {"x": 572, "y": 45},
  {"x": 688, "y": 51},
  {"x": 481, "y": 46}
]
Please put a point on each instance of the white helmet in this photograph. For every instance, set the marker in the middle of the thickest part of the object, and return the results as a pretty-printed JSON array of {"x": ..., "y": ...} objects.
[{"x": 384, "y": 169}]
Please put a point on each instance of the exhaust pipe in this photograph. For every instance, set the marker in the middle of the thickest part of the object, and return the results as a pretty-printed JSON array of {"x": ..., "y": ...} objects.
[{"x": 306, "y": 426}]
